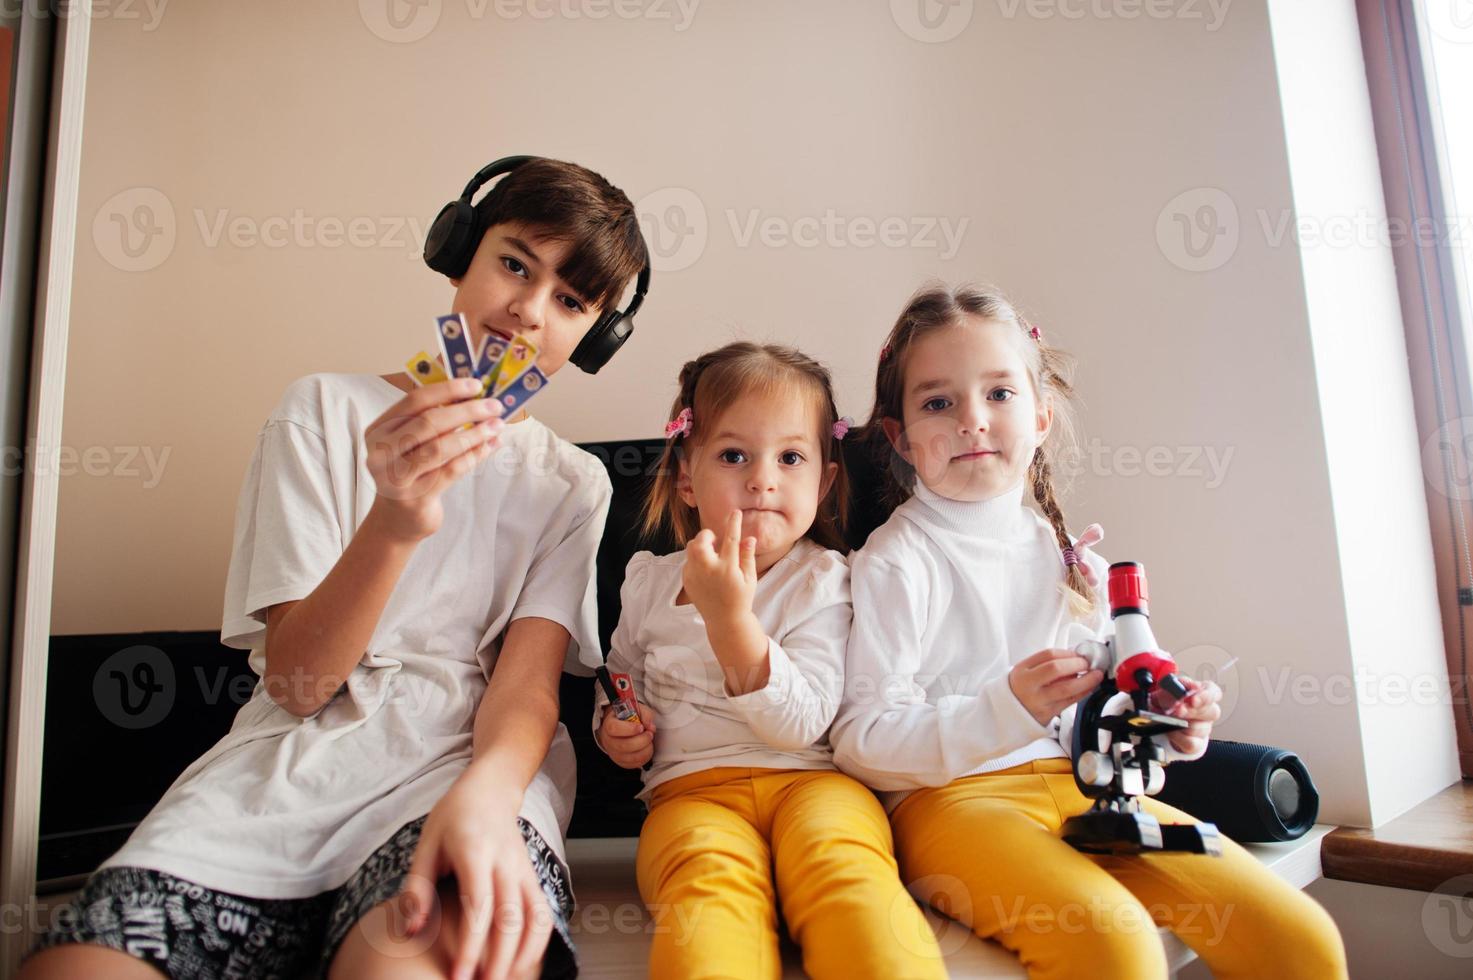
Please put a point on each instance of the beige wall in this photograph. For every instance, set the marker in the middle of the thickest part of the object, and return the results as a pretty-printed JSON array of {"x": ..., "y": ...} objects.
[{"x": 1059, "y": 142}]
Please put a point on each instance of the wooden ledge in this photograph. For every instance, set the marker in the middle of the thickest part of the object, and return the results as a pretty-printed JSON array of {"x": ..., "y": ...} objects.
[{"x": 1424, "y": 849}]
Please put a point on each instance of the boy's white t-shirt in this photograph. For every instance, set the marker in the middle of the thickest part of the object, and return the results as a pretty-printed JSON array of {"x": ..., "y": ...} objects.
[{"x": 286, "y": 807}]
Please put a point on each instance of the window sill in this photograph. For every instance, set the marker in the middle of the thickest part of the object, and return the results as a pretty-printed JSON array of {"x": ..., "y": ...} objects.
[{"x": 1421, "y": 850}]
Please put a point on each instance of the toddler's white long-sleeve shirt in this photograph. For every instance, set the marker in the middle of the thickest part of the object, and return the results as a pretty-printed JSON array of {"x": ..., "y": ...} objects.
[{"x": 802, "y": 602}]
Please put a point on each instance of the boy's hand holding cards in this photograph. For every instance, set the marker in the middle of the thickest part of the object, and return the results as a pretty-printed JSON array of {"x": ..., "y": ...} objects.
[
  {"x": 507, "y": 371},
  {"x": 420, "y": 445}
]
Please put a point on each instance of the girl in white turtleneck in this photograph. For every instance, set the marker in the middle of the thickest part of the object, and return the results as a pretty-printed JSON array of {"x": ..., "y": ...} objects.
[{"x": 966, "y": 604}]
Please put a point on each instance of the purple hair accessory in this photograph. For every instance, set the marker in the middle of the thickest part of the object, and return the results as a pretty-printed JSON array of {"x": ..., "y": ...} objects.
[
  {"x": 841, "y": 427},
  {"x": 1092, "y": 535}
]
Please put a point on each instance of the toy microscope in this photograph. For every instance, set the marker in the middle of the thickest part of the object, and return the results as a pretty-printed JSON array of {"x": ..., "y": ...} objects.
[{"x": 1115, "y": 759}]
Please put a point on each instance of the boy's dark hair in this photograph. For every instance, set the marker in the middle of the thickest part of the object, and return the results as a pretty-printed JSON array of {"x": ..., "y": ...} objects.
[{"x": 572, "y": 204}]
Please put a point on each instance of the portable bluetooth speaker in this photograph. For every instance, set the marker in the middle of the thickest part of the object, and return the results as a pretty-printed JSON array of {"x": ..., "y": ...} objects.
[{"x": 1252, "y": 792}]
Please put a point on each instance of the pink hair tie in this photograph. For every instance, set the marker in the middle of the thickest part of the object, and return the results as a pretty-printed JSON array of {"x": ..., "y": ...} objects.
[
  {"x": 1076, "y": 555},
  {"x": 841, "y": 427},
  {"x": 1033, "y": 331},
  {"x": 680, "y": 425},
  {"x": 884, "y": 352}
]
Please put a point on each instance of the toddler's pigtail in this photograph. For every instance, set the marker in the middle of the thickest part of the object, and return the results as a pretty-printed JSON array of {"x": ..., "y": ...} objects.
[{"x": 663, "y": 509}]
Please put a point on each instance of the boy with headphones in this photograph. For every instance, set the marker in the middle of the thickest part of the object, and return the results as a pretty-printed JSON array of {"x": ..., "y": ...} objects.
[{"x": 392, "y": 799}]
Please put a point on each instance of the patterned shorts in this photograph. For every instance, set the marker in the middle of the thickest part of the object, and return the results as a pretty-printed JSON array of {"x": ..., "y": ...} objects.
[{"x": 189, "y": 931}]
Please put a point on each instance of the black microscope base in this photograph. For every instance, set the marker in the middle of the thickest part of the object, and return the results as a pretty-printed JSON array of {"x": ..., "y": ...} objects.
[{"x": 1107, "y": 831}]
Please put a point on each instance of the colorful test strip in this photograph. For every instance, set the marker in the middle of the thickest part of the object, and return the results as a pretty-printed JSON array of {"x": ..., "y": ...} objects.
[
  {"x": 519, "y": 357},
  {"x": 488, "y": 362},
  {"x": 459, "y": 360},
  {"x": 424, "y": 369},
  {"x": 520, "y": 391}
]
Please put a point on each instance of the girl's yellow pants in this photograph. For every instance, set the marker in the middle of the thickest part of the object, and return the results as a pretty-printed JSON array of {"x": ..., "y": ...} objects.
[
  {"x": 986, "y": 851},
  {"x": 722, "y": 848}
]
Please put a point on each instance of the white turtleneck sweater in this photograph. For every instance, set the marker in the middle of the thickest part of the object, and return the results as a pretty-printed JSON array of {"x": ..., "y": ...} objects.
[{"x": 948, "y": 596}]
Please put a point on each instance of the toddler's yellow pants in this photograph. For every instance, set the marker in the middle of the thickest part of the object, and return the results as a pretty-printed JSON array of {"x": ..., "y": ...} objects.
[{"x": 721, "y": 848}]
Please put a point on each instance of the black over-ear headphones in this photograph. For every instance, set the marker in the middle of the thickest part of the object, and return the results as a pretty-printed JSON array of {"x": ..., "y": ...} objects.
[{"x": 456, "y": 233}]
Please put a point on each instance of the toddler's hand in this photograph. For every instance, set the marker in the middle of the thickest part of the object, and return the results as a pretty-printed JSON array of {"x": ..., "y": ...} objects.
[
  {"x": 721, "y": 582},
  {"x": 419, "y": 446},
  {"x": 1051, "y": 680},
  {"x": 629, "y": 743},
  {"x": 1200, "y": 707}
]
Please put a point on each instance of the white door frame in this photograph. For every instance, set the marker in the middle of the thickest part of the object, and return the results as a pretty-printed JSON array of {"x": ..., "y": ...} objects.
[{"x": 36, "y": 536}]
